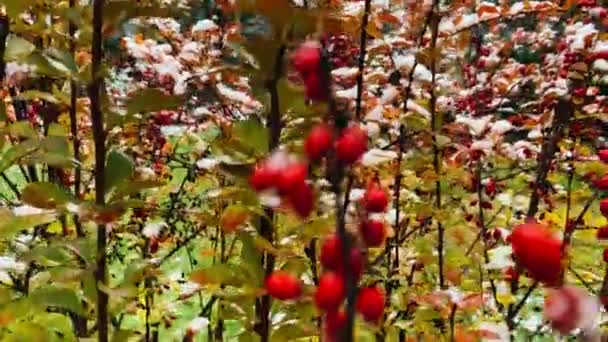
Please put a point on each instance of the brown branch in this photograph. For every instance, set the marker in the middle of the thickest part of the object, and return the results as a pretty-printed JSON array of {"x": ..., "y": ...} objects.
[
  {"x": 100, "y": 154},
  {"x": 274, "y": 126},
  {"x": 74, "y": 126},
  {"x": 362, "y": 53},
  {"x": 436, "y": 152}
]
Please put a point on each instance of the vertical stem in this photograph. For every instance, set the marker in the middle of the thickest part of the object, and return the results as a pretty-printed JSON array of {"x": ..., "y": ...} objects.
[
  {"x": 100, "y": 154},
  {"x": 436, "y": 151},
  {"x": 74, "y": 125},
  {"x": 362, "y": 53},
  {"x": 484, "y": 230},
  {"x": 335, "y": 174},
  {"x": 564, "y": 110},
  {"x": 266, "y": 229}
]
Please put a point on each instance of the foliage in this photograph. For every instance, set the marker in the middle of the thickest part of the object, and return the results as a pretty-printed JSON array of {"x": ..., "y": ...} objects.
[{"x": 480, "y": 117}]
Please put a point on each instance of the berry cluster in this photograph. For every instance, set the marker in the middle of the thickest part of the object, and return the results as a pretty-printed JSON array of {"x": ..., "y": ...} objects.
[{"x": 287, "y": 176}]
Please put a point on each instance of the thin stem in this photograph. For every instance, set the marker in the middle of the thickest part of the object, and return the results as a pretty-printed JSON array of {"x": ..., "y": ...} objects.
[
  {"x": 100, "y": 154},
  {"x": 362, "y": 53},
  {"x": 274, "y": 125},
  {"x": 484, "y": 228},
  {"x": 74, "y": 125},
  {"x": 436, "y": 151}
]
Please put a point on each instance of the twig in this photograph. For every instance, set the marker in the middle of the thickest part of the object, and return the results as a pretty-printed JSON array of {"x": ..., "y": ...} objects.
[
  {"x": 100, "y": 155},
  {"x": 74, "y": 125},
  {"x": 274, "y": 126},
  {"x": 484, "y": 228},
  {"x": 513, "y": 313},
  {"x": 362, "y": 53},
  {"x": 436, "y": 151}
]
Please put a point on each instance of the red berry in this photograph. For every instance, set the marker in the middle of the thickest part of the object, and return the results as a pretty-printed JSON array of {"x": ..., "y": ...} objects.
[
  {"x": 314, "y": 88},
  {"x": 375, "y": 199},
  {"x": 356, "y": 264},
  {"x": 262, "y": 178},
  {"x": 602, "y": 233},
  {"x": 307, "y": 58},
  {"x": 330, "y": 292},
  {"x": 497, "y": 234},
  {"x": 335, "y": 321},
  {"x": 291, "y": 177},
  {"x": 511, "y": 274},
  {"x": 537, "y": 250},
  {"x": 604, "y": 207},
  {"x": 331, "y": 252},
  {"x": 331, "y": 257},
  {"x": 282, "y": 285},
  {"x": 318, "y": 142},
  {"x": 373, "y": 233},
  {"x": 563, "y": 308},
  {"x": 491, "y": 187},
  {"x": 579, "y": 92},
  {"x": 603, "y": 155},
  {"x": 601, "y": 183},
  {"x": 370, "y": 303},
  {"x": 351, "y": 145},
  {"x": 301, "y": 198}
]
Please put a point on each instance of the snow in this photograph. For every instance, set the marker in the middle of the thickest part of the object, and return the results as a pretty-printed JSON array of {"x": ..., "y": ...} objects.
[
  {"x": 152, "y": 229},
  {"x": 377, "y": 156},
  {"x": 204, "y": 25},
  {"x": 350, "y": 93}
]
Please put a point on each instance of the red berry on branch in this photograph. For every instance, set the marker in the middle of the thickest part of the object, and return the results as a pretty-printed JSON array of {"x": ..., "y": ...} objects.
[
  {"x": 301, "y": 198},
  {"x": 314, "y": 87},
  {"x": 373, "y": 233},
  {"x": 291, "y": 177},
  {"x": 375, "y": 199},
  {"x": 538, "y": 251},
  {"x": 331, "y": 257},
  {"x": 284, "y": 286},
  {"x": 335, "y": 321},
  {"x": 370, "y": 303},
  {"x": 351, "y": 145},
  {"x": 511, "y": 274},
  {"x": 603, "y": 155},
  {"x": 602, "y": 233},
  {"x": 601, "y": 183},
  {"x": 330, "y": 291},
  {"x": 262, "y": 178},
  {"x": 318, "y": 142},
  {"x": 307, "y": 58},
  {"x": 491, "y": 187}
]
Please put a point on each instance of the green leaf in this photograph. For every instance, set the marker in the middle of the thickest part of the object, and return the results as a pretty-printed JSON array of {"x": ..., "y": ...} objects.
[
  {"x": 59, "y": 298},
  {"x": 122, "y": 335},
  {"x": 129, "y": 188},
  {"x": 252, "y": 133},
  {"x": 36, "y": 94},
  {"x": 250, "y": 258},
  {"x": 17, "y": 47},
  {"x": 152, "y": 100},
  {"x": 119, "y": 168},
  {"x": 46, "y": 66},
  {"x": 13, "y": 224},
  {"x": 58, "y": 324},
  {"x": 27, "y": 331},
  {"x": 226, "y": 274},
  {"x": 22, "y": 129},
  {"x": 16, "y": 152},
  {"x": 45, "y": 195},
  {"x": 294, "y": 331}
]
